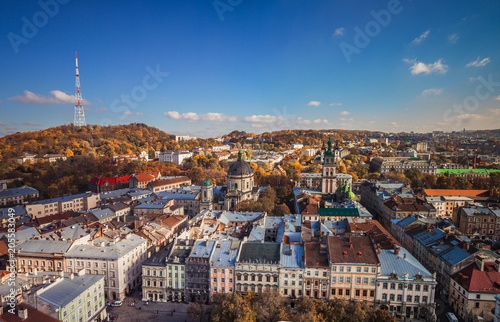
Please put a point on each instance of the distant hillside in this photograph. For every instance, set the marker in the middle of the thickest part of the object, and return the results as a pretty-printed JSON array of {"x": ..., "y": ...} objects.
[{"x": 90, "y": 140}]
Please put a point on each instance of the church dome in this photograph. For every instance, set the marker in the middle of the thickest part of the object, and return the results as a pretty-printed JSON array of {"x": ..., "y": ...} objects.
[
  {"x": 240, "y": 168},
  {"x": 206, "y": 183}
]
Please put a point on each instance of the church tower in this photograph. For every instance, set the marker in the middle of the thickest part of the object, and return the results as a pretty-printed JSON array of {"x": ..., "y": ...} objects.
[
  {"x": 207, "y": 195},
  {"x": 329, "y": 176}
]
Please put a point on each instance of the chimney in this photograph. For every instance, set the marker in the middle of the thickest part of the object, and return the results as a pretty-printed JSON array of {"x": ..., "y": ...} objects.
[
  {"x": 396, "y": 250},
  {"x": 378, "y": 249},
  {"x": 404, "y": 256},
  {"x": 22, "y": 313}
]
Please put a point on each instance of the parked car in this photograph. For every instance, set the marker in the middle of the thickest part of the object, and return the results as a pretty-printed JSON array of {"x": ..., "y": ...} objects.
[{"x": 117, "y": 303}]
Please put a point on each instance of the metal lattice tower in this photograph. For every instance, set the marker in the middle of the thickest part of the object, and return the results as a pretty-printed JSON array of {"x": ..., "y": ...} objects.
[{"x": 79, "y": 114}]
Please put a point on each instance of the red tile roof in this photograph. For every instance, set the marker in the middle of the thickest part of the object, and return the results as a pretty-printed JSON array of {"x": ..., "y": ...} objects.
[
  {"x": 111, "y": 181},
  {"x": 314, "y": 257},
  {"x": 144, "y": 177},
  {"x": 171, "y": 221},
  {"x": 361, "y": 252},
  {"x": 472, "y": 279}
]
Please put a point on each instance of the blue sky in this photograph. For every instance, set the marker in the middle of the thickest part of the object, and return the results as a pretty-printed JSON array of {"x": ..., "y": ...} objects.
[{"x": 205, "y": 68}]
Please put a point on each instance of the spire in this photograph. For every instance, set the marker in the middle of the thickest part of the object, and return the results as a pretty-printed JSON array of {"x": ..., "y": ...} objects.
[{"x": 79, "y": 112}]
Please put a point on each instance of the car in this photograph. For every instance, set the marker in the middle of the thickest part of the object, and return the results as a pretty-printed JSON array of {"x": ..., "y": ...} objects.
[
  {"x": 451, "y": 317},
  {"x": 117, "y": 303}
]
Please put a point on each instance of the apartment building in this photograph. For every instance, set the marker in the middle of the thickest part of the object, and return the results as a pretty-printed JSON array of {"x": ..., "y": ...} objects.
[
  {"x": 119, "y": 259},
  {"x": 78, "y": 202},
  {"x": 222, "y": 267},
  {"x": 353, "y": 266},
  {"x": 316, "y": 271},
  {"x": 291, "y": 273},
  {"x": 17, "y": 196},
  {"x": 198, "y": 271}
]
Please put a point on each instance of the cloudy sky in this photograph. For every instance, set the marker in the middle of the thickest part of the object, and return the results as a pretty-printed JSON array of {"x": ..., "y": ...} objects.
[{"x": 205, "y": 68}]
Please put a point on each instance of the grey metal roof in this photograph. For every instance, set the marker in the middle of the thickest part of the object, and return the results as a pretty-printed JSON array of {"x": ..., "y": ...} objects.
[
  {"x": 45, "y": 246},
  {"x": 392, "y": 263},
  {"x": 65, "y": 198},
  {"x": 295, "y": 260},
  {"x": 158, "y": 259},
  {"x": 108, "y": 251},
  {"x": 202, "y": 248},
  {"x": 64, "y": 291},
  {"x": 178, "y": 194},
  {"x": 102, "y": 213},
  {"x": 16, "y": 192},
  {"x": 225, "y": 253}
]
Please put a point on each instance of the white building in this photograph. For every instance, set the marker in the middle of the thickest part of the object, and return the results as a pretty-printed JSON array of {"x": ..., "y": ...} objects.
[
  {"x": 120, "y": 260},
  {"x": 176, "y": 157}
]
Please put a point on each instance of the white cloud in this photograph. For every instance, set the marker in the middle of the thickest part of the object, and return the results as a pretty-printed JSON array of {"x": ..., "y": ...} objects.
[
  {"x": 473, "y": 79},
  {"x": 421, "y": 38},
  {"x": 132, "y": 113},
  {"x": 314, "y": 103},
  {"x": 58, "y": 97},
  {"x": 453, "y": 38},
  {"x": 432, "y": 91},
  {"x": 301, "y": 121},
  {"x": 262, "y": 119},
  {"x": 420, "y": 67},
  {"x": 345, "y": 113},
  {"x": 193, "y": 117},
  {"x": 339, "y": 32},
  {"x": 343, "y": 119},
  {"x": 335, "y": 104},
  {"x": 479, "y": 63}
]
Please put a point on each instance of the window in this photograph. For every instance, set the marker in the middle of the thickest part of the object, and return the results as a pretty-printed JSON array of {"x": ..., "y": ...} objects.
[
  {"x": 334, "y": 279},
  {"x": 357, "y": 293},
  {"x": 408, "y": 298},
  {"x": 365, "y": 280},
  {"x": 374, "y": 270},
  {"x": 410, "y": 287},
  {"x": 426, "y": 288},
  {"x": 348, "y": 268},
  {"x": 424, "y": 299},
  {"x": 391, "y": 297},
  {"x": 393, "y": 286},
  {"x": 348, "y": 280},
  {"x": 417, "y": 299},
  {"x": 334, "y": 268},
  {"x": 358, "y": 280},
  {"x": 400, "y": 286},
  {"x": 384, "y": 296},
  {"x": 365, "y": 270},
  {"x": 384, "y": 286},
  {"x": 341, "y": 279},
  {"x": 417, "y": 287},
  {"x": 341, "y": 269},
  {"x": 400, "y": 297},
  {"x": 215, "y": 270},
  {"x": 358, "y": 269}
]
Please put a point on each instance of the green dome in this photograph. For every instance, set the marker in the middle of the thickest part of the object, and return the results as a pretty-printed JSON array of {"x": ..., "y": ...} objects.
[
  {"x": 343, "y": 188},
  {"x": 351, "y": 195},
  {"x": 206, "y": 183}
]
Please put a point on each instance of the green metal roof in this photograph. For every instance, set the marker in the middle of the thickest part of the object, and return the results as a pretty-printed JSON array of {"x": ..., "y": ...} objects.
[
  {"x": 339, "y": 212},
  {"x": 206, "y": 183},
  {"x": 462, "y": 171}
]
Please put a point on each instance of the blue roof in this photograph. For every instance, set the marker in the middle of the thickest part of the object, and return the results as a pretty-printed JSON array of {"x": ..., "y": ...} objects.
[
  {"x": 15, "y": 192},
  {"x": 406, "y": 221},
  {"x": 456, "y": 255},
  {"x": 428, "y": 238},
  {"x": 177, "y": 194},
  {"x": 18, "y": 211}
]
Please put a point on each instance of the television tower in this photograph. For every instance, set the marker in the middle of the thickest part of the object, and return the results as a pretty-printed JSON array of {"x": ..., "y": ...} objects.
[{"x": 79, "y": 114}]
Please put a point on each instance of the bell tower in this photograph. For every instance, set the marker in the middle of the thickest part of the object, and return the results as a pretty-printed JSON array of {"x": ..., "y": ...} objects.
[{"x": 329, "y": 176}]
